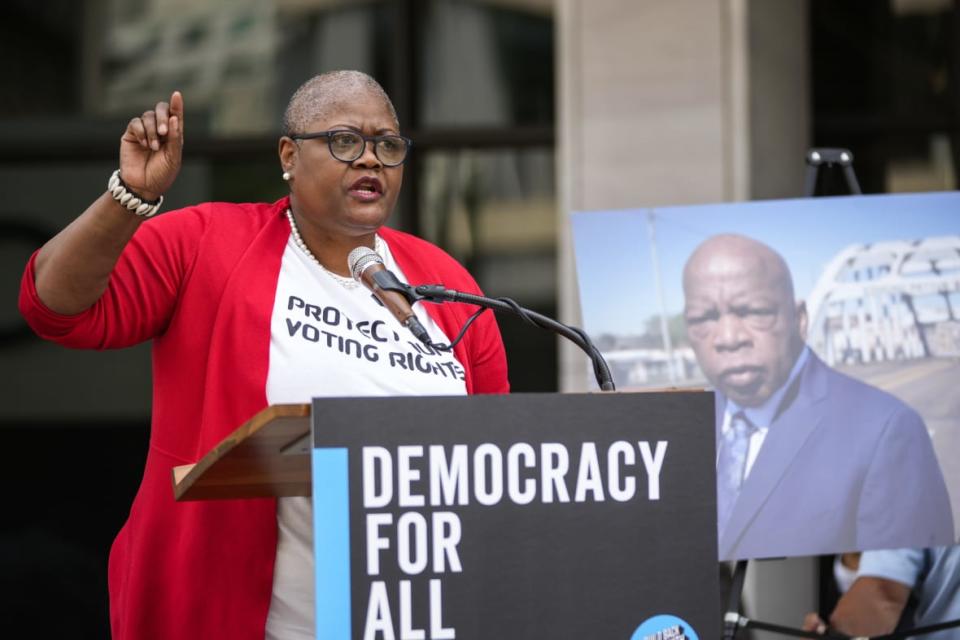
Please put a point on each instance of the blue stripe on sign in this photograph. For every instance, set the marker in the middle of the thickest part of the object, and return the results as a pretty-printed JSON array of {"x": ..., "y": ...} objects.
[{"x": 331, "y": 543}]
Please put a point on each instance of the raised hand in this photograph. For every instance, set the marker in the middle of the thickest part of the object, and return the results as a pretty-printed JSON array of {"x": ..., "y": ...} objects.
[{"x": 151, "y": 148}]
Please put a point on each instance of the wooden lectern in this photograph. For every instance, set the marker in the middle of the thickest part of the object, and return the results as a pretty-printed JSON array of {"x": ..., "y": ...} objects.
[{"x": 269, "y": 455}]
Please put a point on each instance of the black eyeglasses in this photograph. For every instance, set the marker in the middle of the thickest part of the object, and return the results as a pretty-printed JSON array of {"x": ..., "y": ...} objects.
[{"x": 347, "y": 146}]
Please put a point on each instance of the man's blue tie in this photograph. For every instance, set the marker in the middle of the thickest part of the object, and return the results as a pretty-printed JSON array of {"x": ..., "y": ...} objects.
[{"x": 732, "y": 465}]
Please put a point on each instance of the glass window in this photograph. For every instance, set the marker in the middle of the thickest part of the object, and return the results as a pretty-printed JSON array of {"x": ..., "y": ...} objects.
[
  {"x": 486, "y": 64},
  {"x": 884, "y": 86},
  {"x": 495, "y": 211}
]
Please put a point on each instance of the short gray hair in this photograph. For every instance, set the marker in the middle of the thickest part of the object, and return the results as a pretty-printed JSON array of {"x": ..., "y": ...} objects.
[{"x": 321, "y": 94}]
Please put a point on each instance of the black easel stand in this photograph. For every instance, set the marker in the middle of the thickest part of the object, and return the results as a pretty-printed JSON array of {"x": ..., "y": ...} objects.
[
  {"x": 731, "y": 616},
  {"x": 437, "y": 293},
  {"x": 817, "y": 158}
]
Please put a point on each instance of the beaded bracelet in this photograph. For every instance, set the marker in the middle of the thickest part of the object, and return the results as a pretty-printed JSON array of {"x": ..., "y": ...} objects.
[{"x": 132, "y": 201}]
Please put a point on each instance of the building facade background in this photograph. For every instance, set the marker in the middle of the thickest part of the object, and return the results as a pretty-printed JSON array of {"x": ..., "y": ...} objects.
[{"x": 522, "y": 111}]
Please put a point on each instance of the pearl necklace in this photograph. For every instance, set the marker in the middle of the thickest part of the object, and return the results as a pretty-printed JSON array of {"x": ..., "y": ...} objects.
[{"x": 345, "y": 282}]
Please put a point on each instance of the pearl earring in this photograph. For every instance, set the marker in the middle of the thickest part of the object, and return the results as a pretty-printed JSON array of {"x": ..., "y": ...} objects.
[{"x": 286, "y": 176}]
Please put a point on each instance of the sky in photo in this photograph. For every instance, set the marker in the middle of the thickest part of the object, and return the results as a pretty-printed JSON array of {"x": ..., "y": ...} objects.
[{"x": 614, "y": 258}]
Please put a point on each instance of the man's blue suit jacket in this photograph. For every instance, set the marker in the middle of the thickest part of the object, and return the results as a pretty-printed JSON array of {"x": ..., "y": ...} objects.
[{"x": 844, "y": 467}]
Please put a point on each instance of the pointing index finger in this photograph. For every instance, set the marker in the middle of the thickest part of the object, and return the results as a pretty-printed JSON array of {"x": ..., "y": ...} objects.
[
  {"x": 176, "y": 114},
  {"x": 176, "y": 105},
  {"x": 175, "y": 121}
]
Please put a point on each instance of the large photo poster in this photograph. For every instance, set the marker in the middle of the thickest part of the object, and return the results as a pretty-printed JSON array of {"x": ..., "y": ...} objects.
[{"x": 829, "y": 329}]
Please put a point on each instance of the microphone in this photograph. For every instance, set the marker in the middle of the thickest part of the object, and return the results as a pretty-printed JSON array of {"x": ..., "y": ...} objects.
[{"x": 367, "y": 268}]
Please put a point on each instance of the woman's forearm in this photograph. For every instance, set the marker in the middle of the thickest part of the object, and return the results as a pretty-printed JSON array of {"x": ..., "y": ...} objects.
[{"x": 73, "y": 268}]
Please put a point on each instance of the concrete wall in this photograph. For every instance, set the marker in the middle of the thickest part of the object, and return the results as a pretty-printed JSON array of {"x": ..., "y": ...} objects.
[
  {"x": 646, "y": 115},
  {"x": 671, "y": 102}
]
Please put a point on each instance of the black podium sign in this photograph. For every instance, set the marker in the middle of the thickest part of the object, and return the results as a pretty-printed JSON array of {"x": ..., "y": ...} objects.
[{"x": 520, "y": 516}]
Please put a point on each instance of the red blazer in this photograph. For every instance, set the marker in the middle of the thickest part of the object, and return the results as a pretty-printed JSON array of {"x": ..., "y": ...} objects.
[{"x": 201, "y": 283}]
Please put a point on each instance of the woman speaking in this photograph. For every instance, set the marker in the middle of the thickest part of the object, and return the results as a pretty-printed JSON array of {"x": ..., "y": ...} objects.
[{"x": 248, "y": 305}]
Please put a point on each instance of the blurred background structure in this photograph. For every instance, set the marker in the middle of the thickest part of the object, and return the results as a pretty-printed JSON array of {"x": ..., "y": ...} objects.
[{"x": 522, "y": 111}]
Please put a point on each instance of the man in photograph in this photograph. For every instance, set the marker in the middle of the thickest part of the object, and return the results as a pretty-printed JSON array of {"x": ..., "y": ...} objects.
[{"x": 809, "y": 460}]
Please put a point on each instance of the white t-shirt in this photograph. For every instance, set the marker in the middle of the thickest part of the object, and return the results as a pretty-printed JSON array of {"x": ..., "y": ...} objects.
[{"x": 327, "y": 340}]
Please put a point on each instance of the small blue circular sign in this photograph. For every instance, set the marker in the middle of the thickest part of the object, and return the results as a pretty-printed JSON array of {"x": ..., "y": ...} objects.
[{"x": 664, "y": 627}]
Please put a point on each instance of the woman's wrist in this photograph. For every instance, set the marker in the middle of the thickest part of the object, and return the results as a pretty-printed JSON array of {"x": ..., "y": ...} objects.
[{"x": 143, "y": 204}]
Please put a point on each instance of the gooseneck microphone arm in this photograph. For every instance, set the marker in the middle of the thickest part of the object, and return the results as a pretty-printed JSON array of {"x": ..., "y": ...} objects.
[
  {"x": 439, "y": 294},
  {"x": 367, "y": 267}
]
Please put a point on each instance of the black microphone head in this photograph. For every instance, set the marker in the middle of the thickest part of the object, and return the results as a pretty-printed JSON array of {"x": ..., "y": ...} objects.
[{"x": 360, "y": 259}]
